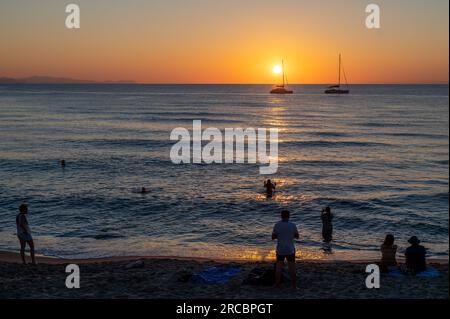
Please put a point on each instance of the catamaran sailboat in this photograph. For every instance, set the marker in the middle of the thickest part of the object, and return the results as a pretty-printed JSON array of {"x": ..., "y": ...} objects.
[
  {"x": 281, "y": 89},
  {"x": 336, "y": 89}
]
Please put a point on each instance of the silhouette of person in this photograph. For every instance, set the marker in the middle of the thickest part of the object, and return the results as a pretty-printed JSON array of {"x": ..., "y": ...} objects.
[
  {"x": 415, "y": 256},
  {"x": 24, "y": 233},
  {"x": 327, "y": 225},
  {"x": 270, "y": 187},
  {"x": 285, "y": 232},
  {"x": 388, "y": 251}
]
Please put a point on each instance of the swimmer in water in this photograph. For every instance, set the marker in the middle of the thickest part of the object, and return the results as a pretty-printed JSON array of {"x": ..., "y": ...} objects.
[
  {"x": 143, "y": 190},
  {"x": 270, "y": 187},
  {"x": 63, "y": 163}
]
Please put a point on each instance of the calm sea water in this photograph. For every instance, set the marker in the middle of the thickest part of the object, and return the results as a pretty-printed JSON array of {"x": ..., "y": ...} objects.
[{"x": 379, "y": 157}]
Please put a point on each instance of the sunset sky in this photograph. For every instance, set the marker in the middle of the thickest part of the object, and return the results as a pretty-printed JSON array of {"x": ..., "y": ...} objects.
[{"x": 226, "y": 41}]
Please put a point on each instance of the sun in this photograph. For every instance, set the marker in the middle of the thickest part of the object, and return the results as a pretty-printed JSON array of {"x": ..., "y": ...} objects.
[{"x": 277, "y": 69}]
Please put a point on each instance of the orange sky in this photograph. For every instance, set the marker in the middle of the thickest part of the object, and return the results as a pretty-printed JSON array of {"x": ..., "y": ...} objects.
[{"x": 226, "y": 41}]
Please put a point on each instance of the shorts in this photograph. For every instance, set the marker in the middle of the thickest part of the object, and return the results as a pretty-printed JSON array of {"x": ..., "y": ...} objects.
[
  {"x": 289, "y": 258},
  {"x": 25, "y": 237}
]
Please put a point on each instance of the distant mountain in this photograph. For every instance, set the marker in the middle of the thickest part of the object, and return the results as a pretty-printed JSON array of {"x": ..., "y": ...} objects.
[{"x": 53, "y": 80}]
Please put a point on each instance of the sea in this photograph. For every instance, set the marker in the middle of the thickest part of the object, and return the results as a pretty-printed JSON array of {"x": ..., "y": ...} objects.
[{"x": 378, "y": 157}]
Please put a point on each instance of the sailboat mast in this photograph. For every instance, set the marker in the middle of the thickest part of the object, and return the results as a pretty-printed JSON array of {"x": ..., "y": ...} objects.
[
  {"x": 282, "y": 65},
  {"x": 339, "y": 82}
]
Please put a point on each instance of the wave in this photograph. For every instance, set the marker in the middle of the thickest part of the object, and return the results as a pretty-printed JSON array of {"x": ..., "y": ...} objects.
[
  {"x": 421, "y": 135},
  {"x": 329, "y": 134},
  {"x": 333, "y": 144},
  {"x": 441, "y": 162},
  {"x": 413, "y": 199},
  {"x": 103, "y": 236},
  {"x": 384, "y": 124},
  {"x": 106, "y": 143},
  {"x": 324, "y": 163},
  {"x": 149, "y": 144}
]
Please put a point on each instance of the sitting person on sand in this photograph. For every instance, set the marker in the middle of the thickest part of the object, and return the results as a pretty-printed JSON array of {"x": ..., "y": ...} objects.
[
  {"x": 24, "y": 233},
  {"x": 327, "y": 225},
  {"x": 285, "y": 232},
  {"x": 270, "y": 187},
  {"x": 388, "y": 252},
  {"x": 415, "y": 256}
]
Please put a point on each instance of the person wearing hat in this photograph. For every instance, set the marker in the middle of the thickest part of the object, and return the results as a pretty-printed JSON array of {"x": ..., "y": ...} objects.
[{"x": 415, "y": 256}]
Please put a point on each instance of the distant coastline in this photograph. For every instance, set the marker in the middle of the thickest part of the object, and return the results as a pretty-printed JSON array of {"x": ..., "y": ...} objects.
[{"x": 56, "y": 80}]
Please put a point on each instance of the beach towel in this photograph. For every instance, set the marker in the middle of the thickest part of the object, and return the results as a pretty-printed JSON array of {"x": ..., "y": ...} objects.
[
  {"x": 216, "y": 275},
  {"x": 429, "y": 273}
]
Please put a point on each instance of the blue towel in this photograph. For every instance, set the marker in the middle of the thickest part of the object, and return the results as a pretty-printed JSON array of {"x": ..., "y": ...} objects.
[
  {"x": 216, "y": 275},
  {"x": 429, "y": 273},
  {"x": 395, "y": 273}
]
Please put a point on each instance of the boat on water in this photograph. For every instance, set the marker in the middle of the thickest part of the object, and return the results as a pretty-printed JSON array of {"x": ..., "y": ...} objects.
[
  {"x": 281, "y": 89},
  {"x": 336, "y": 89}
]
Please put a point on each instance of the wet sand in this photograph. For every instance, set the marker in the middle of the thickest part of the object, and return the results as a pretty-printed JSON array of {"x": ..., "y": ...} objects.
[{"x": 164, "y": 277}]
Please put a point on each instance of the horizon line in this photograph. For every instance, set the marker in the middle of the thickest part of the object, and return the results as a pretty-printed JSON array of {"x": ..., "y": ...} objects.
[
  {"x": 68, "y": 79},
  {"x": 129, "y": 82},
  {"x": 224, "y": 83},
  {"x": 88, "y": 82}
]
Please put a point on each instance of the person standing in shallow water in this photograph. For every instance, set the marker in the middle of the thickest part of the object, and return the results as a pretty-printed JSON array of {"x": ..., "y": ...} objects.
[
  {"x": 24, "y": 233},
  {"x": 285, "y": 233},
  {"x": 270, "y": 187},
  {"x": 327, "y": 225}
]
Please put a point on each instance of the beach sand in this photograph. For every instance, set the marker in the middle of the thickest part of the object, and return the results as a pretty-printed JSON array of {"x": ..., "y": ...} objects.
[{"x": 155, "y": 278}]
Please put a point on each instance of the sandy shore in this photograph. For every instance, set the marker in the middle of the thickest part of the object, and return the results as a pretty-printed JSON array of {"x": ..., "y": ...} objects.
[{"x": 152, "y": 277}]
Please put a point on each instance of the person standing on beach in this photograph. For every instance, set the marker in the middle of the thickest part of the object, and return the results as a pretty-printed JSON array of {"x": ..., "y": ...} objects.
[
  {"x": 285, "y": 233},
  {"x": 24, "y": 233},
  {"x": 327, "y": 225}
]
